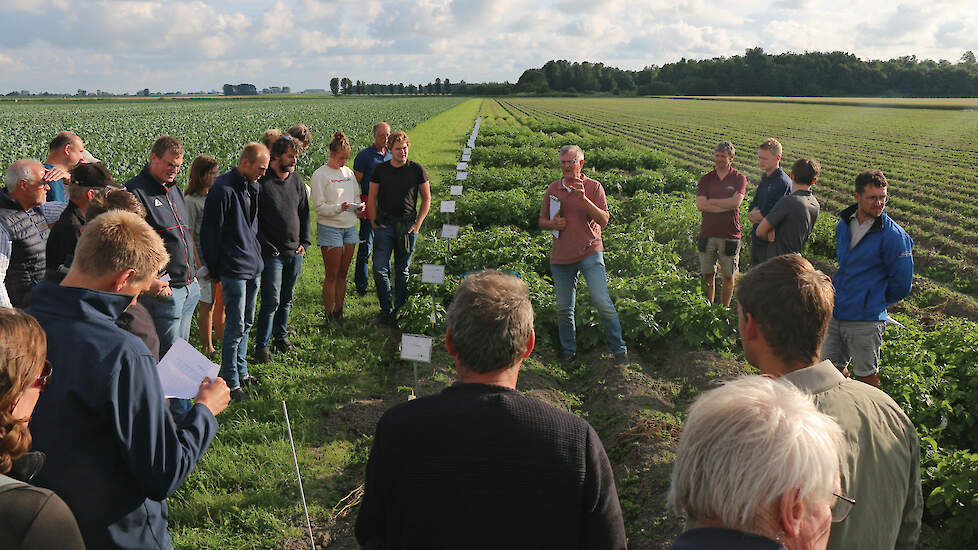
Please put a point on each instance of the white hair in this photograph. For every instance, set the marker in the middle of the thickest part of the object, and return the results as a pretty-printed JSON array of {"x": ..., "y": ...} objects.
[
  {"x": 747, "y": 443},
  {"x": 22, "y": 169},
  {"x": 572, "y": 150}
]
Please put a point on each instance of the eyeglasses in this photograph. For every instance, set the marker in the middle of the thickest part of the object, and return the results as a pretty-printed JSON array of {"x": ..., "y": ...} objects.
[
  {"x": 45, "y": 377},
  {"x": 841, "y": 507}
]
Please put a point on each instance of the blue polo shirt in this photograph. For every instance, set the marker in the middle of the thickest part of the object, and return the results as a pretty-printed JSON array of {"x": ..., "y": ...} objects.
[
  {"x": 365, "y": 162},
  {"x": 57, "y": 192},
  {"x": 772, "y": 188}
]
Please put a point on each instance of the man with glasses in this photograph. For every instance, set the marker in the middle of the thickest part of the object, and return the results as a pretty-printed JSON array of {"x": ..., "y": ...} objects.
[
  {"x": 87, "y": 181},
  {"x": 575, "y": 209},
  {"x": 363, "y": 169},
  {"x": 24, "y": 229},
  {"x": 875, "y": 271},
  {"x": 784, "y": 306},
  {"x": 174, "y": 299}
]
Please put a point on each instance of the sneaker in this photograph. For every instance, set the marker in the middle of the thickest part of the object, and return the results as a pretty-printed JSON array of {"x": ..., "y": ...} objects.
[
  {"x": 238, "y": 394},
  {"x": 250, "y": 380},
  {"x": 262, "y": 355},
  {"x": 282, "y": 346},
  {"x": 621, "y": 357},
  {"x": 361, "y": 293}
]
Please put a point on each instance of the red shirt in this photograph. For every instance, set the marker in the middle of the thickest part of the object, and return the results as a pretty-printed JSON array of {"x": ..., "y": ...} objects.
[
  {"x": 582, "y": 236},
  {"x": 725, "y": 225}
]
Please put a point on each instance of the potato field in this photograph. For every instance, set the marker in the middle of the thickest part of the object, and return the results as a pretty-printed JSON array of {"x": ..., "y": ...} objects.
[{"x": 648, "y": 154}]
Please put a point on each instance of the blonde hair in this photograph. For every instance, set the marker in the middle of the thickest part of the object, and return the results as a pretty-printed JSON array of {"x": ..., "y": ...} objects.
[
  {"x": 116, "y": 241},
  {"x": 271, "y": 136},
  {"x": 399, "y": 135},
  {"x": 772, "y": 145},
  {"x": 23, "y": 347}
]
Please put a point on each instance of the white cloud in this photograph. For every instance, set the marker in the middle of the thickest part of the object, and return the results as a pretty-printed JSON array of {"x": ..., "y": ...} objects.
[{"x": 123, "y": 45}]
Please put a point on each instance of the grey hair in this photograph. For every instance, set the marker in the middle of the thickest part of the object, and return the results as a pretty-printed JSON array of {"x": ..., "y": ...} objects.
[
  {"x": 377, "y": 127},
  {"x": 747, "y": 443},
  {"x": 22, "y": 169},
  {"x": 724, "y": 146},
  {"x": 572, "y": 149}
]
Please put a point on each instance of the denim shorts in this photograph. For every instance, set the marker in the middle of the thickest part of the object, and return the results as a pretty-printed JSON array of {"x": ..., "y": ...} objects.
[{"x": 336, "y": 236}]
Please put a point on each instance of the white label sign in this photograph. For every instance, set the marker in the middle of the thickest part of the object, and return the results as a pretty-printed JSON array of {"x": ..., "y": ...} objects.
[
  {"x": 462, "y": 166},
  {"x": 460, "y": 176},
  {"x": 466, "y": 158},
  {"x": 448, "y": 206},
  {"x": 467, "y": 151},
  {"x": 415, "y": 348},
  {"x": 449, "y": 231},
  {"x": 431, "y": 273},
  {"x": 455, "y": 190}
]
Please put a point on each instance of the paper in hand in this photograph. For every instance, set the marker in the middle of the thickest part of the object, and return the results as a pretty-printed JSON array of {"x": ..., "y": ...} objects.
[
  {"x": 182, "y": 370},
  {"x": 554, "y": 210}
]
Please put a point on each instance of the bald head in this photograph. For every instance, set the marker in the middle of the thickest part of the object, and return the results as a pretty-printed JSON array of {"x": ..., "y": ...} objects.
[
  {"x": 254, "y": 161},
  {"x": 66, "y": 150}
]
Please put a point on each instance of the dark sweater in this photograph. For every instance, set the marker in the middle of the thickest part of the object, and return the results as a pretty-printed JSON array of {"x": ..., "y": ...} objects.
[
  {"x": 229, "y": 228},
  {"x": 32, "y": 518},
  {"x": 62, "y": 241},
  {"x": 480, "y": 466},
  {"x": 283, "y": 215}
]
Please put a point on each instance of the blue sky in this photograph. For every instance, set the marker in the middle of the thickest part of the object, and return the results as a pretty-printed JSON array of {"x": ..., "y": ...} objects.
[{"x": 189, "y": 45}]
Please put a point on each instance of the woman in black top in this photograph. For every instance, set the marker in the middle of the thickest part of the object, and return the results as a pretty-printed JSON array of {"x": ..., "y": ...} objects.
[{"x": 30, "y": 517}]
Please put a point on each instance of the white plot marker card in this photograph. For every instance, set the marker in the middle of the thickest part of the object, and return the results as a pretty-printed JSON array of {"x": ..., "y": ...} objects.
[
  {"x": 448, "y": 207},
  {"x": 415, "y": 348},
  {"x": 462, "y": 166},
  {"x": 455, "y": 190},
  {"x": 449, "y": 231},
  {"x": 467, "y": 151},
  {"x": 460, "y": 176},
  {"x": 466, "y": 158},
  {"x": 431, "y": 273}
]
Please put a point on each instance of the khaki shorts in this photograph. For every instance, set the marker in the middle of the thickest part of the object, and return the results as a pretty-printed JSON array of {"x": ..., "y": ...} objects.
[{"x": 714, "y": 249}]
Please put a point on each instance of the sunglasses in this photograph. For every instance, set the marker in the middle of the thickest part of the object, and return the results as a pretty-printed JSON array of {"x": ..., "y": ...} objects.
[{"x": 45, "y": 378}]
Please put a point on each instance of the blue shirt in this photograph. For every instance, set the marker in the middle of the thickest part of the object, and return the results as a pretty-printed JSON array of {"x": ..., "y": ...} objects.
[
  {"x": 770, "y": 190},
  {"x": 365, "y": 162},
  {"x": 57, "y": 192}
]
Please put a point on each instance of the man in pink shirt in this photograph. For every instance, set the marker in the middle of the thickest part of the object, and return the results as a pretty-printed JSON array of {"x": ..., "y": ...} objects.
[
  {"x": 574, "y": 209},
  {"x": 718, "y": 196}
]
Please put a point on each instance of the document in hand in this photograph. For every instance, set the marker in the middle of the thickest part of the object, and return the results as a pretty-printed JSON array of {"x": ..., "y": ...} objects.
[
  {"x": 182, "y": 369},
  {"x": 554, "y": 210}
]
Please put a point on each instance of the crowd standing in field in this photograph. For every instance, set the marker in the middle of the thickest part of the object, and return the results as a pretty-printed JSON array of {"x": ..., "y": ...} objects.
[{"x": 133, "y": 263}]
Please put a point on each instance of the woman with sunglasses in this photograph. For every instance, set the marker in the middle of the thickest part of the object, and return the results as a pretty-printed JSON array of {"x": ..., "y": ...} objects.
[{"x": 30, "y": 517}]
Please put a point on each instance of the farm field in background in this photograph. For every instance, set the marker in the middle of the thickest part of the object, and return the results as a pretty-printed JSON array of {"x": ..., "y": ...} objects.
[{"x": 929, "y": 155}]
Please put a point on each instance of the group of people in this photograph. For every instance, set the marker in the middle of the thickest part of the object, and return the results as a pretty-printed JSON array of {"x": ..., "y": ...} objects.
[
  {"x": 109, "y": 279},
  {"x": 874, "y": 252}
]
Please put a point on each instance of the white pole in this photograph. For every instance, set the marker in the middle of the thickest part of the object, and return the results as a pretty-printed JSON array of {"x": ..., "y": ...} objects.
[{"x": 295, "y": 460}]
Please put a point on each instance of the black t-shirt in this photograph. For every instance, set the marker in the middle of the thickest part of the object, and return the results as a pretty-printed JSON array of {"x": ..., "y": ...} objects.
[
  {"x": 398, "y": 194},
  {"x": 38, "y": 519}
]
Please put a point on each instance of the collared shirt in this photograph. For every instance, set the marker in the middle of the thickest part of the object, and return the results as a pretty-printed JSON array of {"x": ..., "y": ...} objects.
[
  {"x": 365, "y": 162},
  {"x": 882, "y": 462},
  {"x": 582, "y": 236},
  {"x": 724, "y": 225},
  {"x": 858, "y": 230}
]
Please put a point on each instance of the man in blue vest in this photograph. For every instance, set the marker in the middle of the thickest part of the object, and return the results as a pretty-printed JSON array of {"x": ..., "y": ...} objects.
[
  {"x": 875, "y": 271},
  {"x": 24, "y": 227}
]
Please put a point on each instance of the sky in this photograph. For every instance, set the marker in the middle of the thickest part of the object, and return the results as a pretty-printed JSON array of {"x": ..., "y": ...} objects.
[{"x": 191, "y": 45}]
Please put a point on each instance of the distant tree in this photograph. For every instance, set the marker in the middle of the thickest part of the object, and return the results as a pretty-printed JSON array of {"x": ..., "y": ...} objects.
[
  {"x": 373, "y": 89},
  {"x": 334, "y": 85},
  {"x": 400, "y": 88},
  {"x": 390, "y": 88},
  {"x": 437, "y": 85},
  {"x": 447, "y": 89},
  {"x": 346, "y": 85},
  {"x": 533, "y": 81},
  {"x": 412, "y": 89},
  {"x": 968, "y": 58}
]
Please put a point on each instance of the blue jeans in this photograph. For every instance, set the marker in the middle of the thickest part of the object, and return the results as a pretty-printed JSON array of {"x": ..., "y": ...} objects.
[
  {"x": 565, "y": 292},
  {"x": 385, "y": 244},
  {"x": 239, "y": 315},
  {"x": 173, "y": 315},
  {"x": 363, "y": 256},
  {"x": 277, "y": 286}
]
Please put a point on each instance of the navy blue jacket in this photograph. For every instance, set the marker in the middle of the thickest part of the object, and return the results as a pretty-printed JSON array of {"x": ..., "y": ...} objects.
[
  {"x": 114, "y": 453},
  {"x": 770, "y": 190},
  {"x": 166, "y": 212},
  {"x": 877, "y": 273},
  {"x": 229, "y": 228}
]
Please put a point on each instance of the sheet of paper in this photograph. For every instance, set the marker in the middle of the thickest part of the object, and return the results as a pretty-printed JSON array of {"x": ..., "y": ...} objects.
[
  {"x": 415, "y": 348},
  {"x": 461, "y": 176},
  {"x": 449, "y": 231},
  {"x": 892, "y": 321},
  {"x": 165, "y": 278},
  {"x": 467, "y": 151},
  {"x": 448, "y": 206},
  {"x": 462, "y": 166},
  {"x": 455, "y": 190},
  {"x": 554, "y": 209},
  {"x": 182, "y": 369},
  {"x": 431, "y": 273},
  {"x": 466, "y": 158}
]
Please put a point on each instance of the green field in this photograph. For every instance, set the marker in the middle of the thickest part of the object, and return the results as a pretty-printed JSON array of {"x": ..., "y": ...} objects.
[{"x": 647, "y": 153}]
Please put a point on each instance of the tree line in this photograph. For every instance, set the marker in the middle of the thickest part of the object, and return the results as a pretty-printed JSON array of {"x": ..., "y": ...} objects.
[
  {"x": 345, "y": 86},
  {"x": 756, "y": 73}
]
